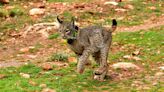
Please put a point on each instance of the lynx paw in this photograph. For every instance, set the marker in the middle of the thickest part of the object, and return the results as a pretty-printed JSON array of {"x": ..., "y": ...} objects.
[
  {"x": 80, "y": 71},
  {"x": 100, "y": 71},
  {"x": 100, "y": 77}
]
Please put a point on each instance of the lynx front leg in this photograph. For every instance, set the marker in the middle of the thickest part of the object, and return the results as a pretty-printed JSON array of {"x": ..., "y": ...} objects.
[
  {"x": 83, "y": 60},
  {"x": 102, "y": 70}
]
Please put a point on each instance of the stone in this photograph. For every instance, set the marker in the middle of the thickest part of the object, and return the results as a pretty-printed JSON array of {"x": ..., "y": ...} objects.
[
  {"x": 48, "y": 90},
  {"x": 24, "y": 75},
  {"x": 111, "y": 3},
  {"x": 4, "y": 1},
  {"x": 47, "y": 66},
  {"x": 23, "y": 50},
  {"x": 36, "y": 11},
  {"x": 125, "y": 65},
  {"x": 161, "y": 67},
  {"x": 42, "y": 85}
]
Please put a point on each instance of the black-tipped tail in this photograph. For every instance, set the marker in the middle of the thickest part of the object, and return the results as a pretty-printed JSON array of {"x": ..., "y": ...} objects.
[
  {"x": 114, "y": 25},
  {"x": 114, "y": 22}
]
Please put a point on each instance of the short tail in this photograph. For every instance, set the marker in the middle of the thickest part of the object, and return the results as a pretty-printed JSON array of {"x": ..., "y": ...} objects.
[{"x": 114, "y": 25}]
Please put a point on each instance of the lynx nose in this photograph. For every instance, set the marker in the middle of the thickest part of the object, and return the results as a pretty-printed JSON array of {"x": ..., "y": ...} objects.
[{"x": 63, "y": 36}]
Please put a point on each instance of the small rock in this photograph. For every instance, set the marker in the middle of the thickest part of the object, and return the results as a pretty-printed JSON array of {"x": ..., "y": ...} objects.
[
  {"x": 136, "y": 58},
  {"x": 24, "y": 75},
  {"x": 47, "y": 66},
  {"x": 24, "y": 49},
  {"x": 72, "y": 59},
  {"x": 79, "y": 6},
  {"x": 136, "y": 52},
  {"x": 129, "y": 6},
  {"x": 120, "y": 10},
  {"x": 155, "y": 83},
  {"x": 48, "y": 90},
  {"x": 127, "y": 57},
  {"x": 41, "y": 5},
  {"x": 2, "y": 76},
  {"x": 161, "y": 67},
  {"x": 125, "y": 65},
  {"x": 31, "y": 56},
  {"x": 36, "y": 11},
  {"x": 32, "y": 83},
  {"x": 152, "y": 8},
  {"x": 42, "y": 85},
  {"x": 159, "y": 74},
  {"x": 4, "y": 1},
  {"x": 111, "y": 3}
]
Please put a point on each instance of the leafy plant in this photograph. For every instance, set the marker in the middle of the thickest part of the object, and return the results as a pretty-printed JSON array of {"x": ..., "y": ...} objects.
[
  {"x": 59, "y": 57},
  {"x": 54, "y": 36},
  {"x": 17, "y": 11}
]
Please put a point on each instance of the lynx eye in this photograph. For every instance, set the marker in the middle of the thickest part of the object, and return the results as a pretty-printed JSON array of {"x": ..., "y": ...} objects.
[{"x": 67, "y": 30}]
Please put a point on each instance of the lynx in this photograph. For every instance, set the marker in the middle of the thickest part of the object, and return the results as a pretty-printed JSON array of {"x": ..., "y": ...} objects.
[{"x": 92, "y": 40}]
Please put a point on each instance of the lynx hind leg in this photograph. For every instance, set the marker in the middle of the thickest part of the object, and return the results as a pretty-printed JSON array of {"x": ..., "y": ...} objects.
[
  {"x": 100, "y": 77},
  {"x": 96, "y": 57},
  {"x": 103, "y": 69}
]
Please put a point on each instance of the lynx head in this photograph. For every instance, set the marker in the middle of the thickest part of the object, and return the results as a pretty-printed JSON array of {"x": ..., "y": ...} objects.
[{"x": 68, "y": 30}]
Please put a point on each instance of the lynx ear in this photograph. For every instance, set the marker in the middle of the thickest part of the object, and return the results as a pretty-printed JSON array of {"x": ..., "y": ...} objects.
[
  {"x": 58, "y": 22},
  {"x": 73, "y": 21}
]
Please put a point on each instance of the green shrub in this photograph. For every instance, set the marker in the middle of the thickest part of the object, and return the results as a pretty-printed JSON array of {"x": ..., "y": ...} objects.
[
  {"x": 3, "y": 13},
  {"x": 59, "y": 57},
  {"x": 17, "y": 11},
  {"x": 54, "y": 36}
]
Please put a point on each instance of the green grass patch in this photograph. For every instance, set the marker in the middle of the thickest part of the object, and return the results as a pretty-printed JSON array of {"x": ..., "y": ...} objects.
[
  {"x": 54, "y": 36},
  {"x": 59, "y": 57}
]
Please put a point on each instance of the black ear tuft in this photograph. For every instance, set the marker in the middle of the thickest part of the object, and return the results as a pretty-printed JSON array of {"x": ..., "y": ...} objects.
[
  {"x": 59, "y": 20},
  {"x": 114, "y": 22},
  {"x": 73, "y": 21}
]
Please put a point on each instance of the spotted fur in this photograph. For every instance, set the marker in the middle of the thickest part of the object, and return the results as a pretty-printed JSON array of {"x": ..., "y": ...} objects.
[{"x": 92, "y": 40}]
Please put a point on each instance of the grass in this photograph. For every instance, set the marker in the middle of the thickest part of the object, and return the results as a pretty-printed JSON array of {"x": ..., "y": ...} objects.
[
  {"x": 65, "y": 79},
  {"x": 59, "y": 57},
  {"x": 150, "y": 42}
]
